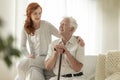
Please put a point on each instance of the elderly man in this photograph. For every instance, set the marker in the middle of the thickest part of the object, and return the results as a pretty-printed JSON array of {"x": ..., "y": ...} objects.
[{"x": 72, "y": 53}]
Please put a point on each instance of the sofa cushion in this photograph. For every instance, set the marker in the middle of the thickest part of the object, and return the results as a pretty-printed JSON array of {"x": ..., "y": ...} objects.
[
  {"x": 114, "y": 76},
  {"x": 89, "y": 67},
  {"x": 112, "y": 63}
]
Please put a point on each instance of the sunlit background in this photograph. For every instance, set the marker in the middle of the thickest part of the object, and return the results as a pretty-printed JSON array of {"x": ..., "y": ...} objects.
[{"x": 98, "y": 20}]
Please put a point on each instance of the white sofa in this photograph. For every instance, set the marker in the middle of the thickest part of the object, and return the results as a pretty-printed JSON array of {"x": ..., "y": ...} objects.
[
  {"x": 108, "y": 66},
  {"x": 90, "y": 67},
  {"x": 10, "y": 73}
]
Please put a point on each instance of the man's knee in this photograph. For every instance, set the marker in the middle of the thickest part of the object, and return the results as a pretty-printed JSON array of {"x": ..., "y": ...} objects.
[{"x": 48, "y": 74}]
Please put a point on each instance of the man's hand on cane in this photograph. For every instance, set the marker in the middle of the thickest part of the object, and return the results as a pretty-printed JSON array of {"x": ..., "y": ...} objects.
[{"x": 60, "y": 49}]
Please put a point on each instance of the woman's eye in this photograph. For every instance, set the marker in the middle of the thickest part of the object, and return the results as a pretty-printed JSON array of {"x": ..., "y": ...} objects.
[{"x": 35, "y": 13}]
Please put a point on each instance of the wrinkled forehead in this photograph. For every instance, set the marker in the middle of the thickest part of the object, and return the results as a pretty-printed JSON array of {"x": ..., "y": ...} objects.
[{"x": 65, "y": 20}]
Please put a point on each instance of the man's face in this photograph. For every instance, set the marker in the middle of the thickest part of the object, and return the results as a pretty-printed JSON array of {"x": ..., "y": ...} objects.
[{"x": 65, "y": 28}]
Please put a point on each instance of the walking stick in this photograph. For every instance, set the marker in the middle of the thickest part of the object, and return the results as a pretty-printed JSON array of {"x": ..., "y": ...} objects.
[{"x": 59, "y": 67}]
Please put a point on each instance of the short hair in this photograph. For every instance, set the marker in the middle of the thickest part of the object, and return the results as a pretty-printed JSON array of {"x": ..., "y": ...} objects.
[{"x": 73, "y": 22}]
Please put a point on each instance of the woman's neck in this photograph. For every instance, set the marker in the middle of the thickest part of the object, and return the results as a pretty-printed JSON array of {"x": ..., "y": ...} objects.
[{"x": 37, "y": 25}]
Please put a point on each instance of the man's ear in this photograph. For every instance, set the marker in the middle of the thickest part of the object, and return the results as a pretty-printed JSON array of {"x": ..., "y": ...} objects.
[{"x": 72, "y": 29}]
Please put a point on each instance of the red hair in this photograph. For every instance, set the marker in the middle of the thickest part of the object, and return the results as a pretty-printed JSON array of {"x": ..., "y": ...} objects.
[{"x": 29, "y": 28}]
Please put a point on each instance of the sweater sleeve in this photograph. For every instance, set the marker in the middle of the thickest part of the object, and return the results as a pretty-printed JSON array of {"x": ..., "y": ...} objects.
[
  {"x": 24, "y": 43},
  {"x": 53, "y": 30}
]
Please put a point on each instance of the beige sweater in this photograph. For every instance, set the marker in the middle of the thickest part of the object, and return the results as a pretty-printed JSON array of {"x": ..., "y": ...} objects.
[{"x": 45, "y": 36}]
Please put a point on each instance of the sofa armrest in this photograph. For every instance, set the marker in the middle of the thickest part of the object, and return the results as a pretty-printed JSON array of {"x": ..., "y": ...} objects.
[
  {"x": 100, "y": 67},
  {"x": 89, "y": 66}
]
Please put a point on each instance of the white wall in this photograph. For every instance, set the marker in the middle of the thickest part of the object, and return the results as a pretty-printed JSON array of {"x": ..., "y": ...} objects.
[
  {"x": 7, "y": 13},
  {"x": 20, "y": 18}
]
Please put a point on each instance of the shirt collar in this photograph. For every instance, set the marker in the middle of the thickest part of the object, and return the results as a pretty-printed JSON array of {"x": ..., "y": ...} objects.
[{"x": 71, "y": 40}]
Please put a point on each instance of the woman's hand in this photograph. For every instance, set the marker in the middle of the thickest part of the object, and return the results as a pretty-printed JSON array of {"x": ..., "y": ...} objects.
[
  {"x": 80, "y": 41},
  {"x": 32, "y": 56}
]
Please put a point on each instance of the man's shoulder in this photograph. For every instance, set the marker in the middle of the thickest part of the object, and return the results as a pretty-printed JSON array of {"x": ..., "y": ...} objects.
[{"x": 73, "y": 39}]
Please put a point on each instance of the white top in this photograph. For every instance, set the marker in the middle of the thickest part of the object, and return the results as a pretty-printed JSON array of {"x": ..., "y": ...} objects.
[
  {"x": 35, "y": 39},
  {"x": 75, "y": 49},
  {"x": 39, "y": 42}
]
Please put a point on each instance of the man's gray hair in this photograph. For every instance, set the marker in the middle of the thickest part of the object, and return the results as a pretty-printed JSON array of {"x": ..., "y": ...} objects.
[{"x": 73, "y": 22}]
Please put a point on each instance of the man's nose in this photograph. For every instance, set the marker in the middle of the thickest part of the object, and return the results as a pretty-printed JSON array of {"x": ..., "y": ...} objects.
[{"x": 61, "y": 26}]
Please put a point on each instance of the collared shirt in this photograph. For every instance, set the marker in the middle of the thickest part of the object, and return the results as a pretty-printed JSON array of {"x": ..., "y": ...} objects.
[
  {"x": 74, "y": 48},
  {"x": 38, "y": 44}
]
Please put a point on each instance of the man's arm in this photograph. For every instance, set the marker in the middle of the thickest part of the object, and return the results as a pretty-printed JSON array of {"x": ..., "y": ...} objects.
[
  {"x": 75, "y": 65},
  {"x": 75, "y": 62},
  {"x": 50, "y": 63}
]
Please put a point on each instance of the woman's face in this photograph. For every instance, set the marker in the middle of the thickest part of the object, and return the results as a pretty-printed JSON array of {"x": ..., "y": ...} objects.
[{"x": 36, "y": 15}]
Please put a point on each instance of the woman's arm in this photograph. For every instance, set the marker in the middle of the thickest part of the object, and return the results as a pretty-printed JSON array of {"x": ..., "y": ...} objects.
[
  {"x": 53, "y": 30},
  {"x": 23, "y": 43}
]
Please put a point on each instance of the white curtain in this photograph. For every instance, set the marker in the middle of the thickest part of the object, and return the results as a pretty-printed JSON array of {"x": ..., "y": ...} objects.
[
  {"x": 109, "y": 23},
  {"x": 93, "y": 21}
]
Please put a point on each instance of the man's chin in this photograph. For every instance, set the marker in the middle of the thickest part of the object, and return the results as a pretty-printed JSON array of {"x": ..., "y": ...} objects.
[{"x": 60, "y": 32}]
